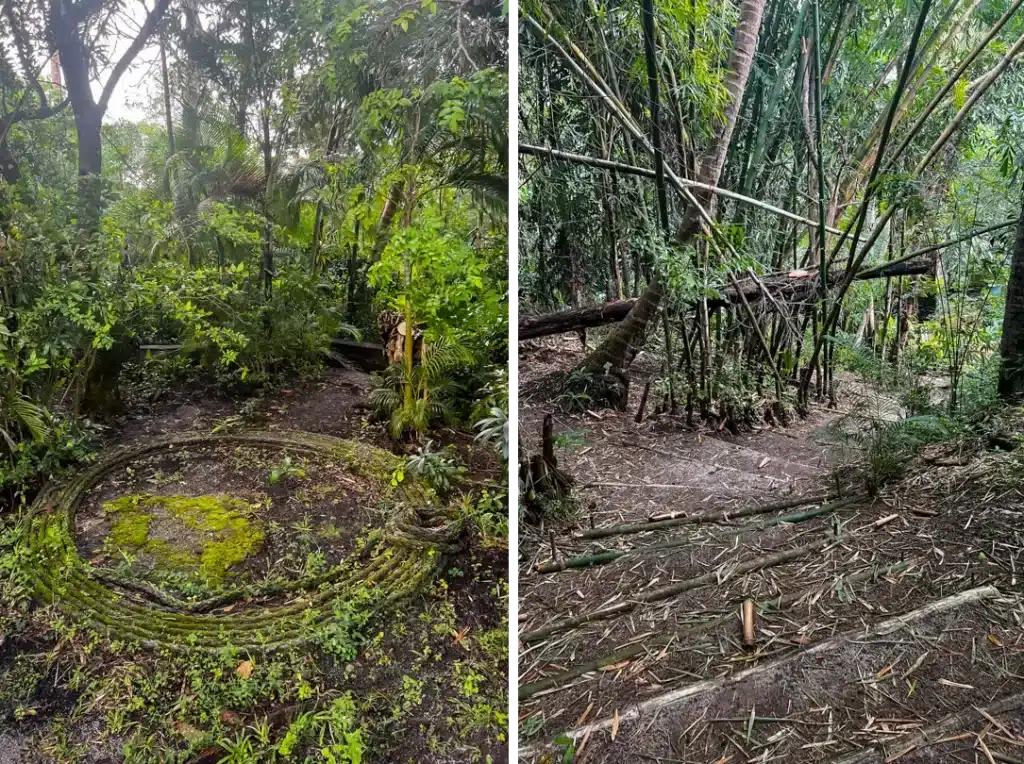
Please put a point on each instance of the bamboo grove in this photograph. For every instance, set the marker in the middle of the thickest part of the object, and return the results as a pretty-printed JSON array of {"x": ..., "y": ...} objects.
[{"x": 775, "y": 190}]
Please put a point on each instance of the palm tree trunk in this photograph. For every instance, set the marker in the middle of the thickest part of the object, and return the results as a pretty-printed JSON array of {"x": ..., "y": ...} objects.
[{"x": 614, "y": 352}]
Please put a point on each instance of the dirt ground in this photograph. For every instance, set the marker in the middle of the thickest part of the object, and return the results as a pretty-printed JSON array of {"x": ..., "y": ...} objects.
[
  {"x": 430, "y": 682},
  {"x": 642, "y": 659}
]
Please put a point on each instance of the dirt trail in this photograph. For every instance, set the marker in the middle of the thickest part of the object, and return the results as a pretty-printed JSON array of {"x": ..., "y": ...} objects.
[{"x": 625, "y": 654}]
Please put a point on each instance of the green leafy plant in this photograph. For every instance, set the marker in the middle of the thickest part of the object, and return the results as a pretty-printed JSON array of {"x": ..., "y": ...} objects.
[
  {"x": 438, "y": 468},
  {"x": 285, "y": 470},
  {"x": 888, "y": 446},
  {"x": 411, "y": 400}
]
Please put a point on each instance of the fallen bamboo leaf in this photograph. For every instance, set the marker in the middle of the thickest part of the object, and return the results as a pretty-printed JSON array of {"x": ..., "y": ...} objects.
[
  {"x": 585, "y": 714},
  {"x": 915, "y": 666},
  {"x": 615, "y": 724},
  {"x": 951, "y": 683},
  {"x": 991, "y": 638}
]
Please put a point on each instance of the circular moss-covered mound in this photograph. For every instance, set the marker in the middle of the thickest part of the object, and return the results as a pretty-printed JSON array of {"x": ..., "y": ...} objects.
[
  {"x": 385, "y": 565},
  {"x": 198, "y": 536}
]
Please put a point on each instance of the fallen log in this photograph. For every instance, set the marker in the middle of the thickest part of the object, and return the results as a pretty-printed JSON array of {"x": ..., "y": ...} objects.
[
  {"x": 794, "y": 286},
  {"x": 368, "y": 356},
  {"x": 577, "y": 318}
]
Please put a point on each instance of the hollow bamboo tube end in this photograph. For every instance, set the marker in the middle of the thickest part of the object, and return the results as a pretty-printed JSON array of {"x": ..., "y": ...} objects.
[{"x": 749, "y": 640}]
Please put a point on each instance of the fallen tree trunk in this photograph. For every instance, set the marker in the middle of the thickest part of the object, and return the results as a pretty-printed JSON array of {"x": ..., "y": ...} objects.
[
  {"x": 793, "y": 286},
  {"x": 577, "y": 318}
]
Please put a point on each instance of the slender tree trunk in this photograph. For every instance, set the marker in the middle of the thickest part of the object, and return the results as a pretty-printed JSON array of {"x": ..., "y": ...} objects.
[
  {"x": 88, "y": 126},
  {"x": 614, "y": 351},
  {"x": 353, "y": 273},
  {"x": 268, "y": 226},
  {"x": 318, "y": 223},
  {"x": 168, "y": 115},
  {"x": 1011, "y": 348}
]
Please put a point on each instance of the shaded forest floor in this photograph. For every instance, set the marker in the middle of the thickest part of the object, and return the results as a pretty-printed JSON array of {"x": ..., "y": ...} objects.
[
  {"x": 430, "y": 684},
  {"x": 864, "y": 640}
]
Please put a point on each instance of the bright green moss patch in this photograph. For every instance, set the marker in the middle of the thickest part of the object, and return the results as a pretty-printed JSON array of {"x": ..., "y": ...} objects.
[{"x": 194, "y": 535}]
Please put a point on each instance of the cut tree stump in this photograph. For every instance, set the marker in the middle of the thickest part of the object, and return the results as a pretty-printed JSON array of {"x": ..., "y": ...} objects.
[{"x": 543, "y": 479}]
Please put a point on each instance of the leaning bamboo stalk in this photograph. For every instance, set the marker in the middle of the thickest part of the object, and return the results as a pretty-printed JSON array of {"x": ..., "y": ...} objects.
[
  {"x": 883, "y": 628},
  {"x": 987, "y": 81},
  {"x": 951, "y": 82},
  {"x": 673, "y": 590},
  {"x": 627, "y": 169},
  {"x": 768, "y": 357},
  {"x": 855, "y": 259},
  {"x": 674, "y": 519},
  {"x": 940, "y": 142},
  {"x": 961, "y": 115},
  {"x": 602, "y": 558},
  {"x": 617, "y": 109},
  {"x": 640, "y": 648}
]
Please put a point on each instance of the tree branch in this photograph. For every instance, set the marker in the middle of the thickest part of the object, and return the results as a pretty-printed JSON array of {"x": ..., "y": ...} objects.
[
  {"x": 152, "y": 21},
  {"x": 24, "y": 52}
]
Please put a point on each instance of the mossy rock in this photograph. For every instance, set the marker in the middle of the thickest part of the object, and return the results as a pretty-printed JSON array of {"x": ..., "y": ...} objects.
[{"x": 200, "y": 536}]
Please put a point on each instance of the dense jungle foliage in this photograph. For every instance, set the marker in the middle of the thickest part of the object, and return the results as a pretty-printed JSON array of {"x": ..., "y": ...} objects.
[{"x": 305, "y": 165}]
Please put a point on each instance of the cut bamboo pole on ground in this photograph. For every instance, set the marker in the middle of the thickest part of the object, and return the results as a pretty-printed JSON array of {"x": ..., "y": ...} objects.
[
  {"x": 798, "y": 501},
  {"x": 892, "y": 750},
  {"x": 672, "y": 590},
  {"x": 717, "y": 517},
  {"x": 631, "y": 651},
  {"x": 603, "y": 558},
  {"x": 881, "y": 629},
  {"x": 749, "y": 636}
]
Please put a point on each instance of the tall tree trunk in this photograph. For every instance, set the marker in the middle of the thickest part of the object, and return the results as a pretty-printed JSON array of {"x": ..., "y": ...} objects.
[
  {"x": 88, "y": 125},
  {"x": 740, "y": 61},
  {"x": 268, "y": 226},
  {"x": 168, "y": 115},
  {"x": 1011, "y": 349},
  {"x": 63, "y": 25},
  {"x": 614, "y": 353}
]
